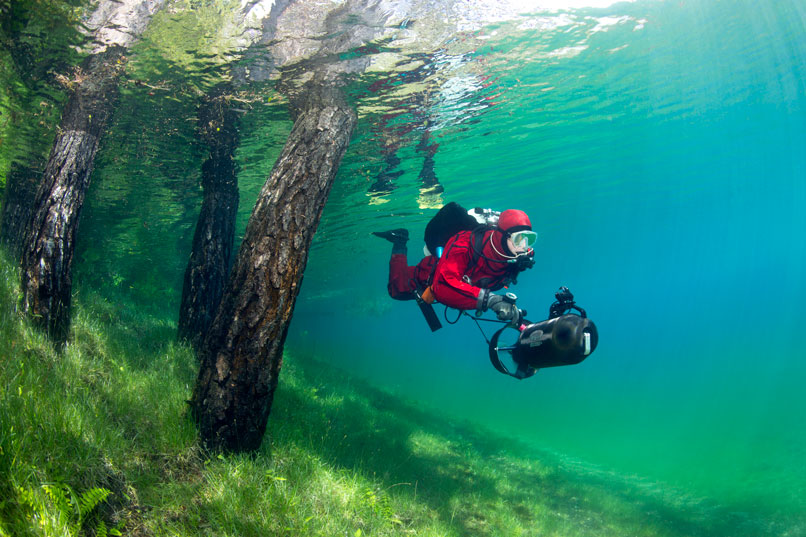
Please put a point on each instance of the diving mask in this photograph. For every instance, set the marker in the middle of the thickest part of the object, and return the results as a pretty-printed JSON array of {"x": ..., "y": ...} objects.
[{"x": 523, "y": 239}]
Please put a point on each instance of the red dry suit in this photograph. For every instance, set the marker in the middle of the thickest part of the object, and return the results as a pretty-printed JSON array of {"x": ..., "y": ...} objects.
[
  {"x": 404, "y": 280},
  {"x": 460, "y": 274}
]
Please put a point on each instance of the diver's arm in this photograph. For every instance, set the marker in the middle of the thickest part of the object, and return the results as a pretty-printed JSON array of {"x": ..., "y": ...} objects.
[{"x": 449, "y": 287}]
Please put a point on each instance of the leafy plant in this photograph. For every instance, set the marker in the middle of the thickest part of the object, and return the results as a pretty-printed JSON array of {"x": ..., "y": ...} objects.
[
  {"x": 58, "y": 510},
  {"x": 381, "y": 505}
]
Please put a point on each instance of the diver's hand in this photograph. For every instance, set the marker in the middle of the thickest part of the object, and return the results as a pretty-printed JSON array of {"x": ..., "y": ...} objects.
[{"x": 505, "y": 309}]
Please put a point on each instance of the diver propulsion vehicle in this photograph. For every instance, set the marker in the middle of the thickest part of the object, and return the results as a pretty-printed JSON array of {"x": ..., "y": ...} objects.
[{"x": 567, "y": 337}]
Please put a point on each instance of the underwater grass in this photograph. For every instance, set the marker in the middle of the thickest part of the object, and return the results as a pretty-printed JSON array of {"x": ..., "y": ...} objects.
[{"x": 95, "y": 440}]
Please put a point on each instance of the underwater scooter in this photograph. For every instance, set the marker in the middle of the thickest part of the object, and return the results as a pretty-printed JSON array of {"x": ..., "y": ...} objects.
[{"x": 565, "y": 338}]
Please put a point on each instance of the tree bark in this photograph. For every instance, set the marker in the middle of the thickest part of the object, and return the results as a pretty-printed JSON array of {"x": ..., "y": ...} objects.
[
  {"x": 48, "y": 250},
  {"x": 206, "y": 273},
  {"x": 242, "y": 354}
]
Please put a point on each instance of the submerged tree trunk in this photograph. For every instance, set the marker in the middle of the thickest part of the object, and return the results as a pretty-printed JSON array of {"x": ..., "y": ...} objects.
[
  {"x": 47, "y": 255},
  {"x": 206, "y": 273},
  {"x": 242, "y": 354},
  {"x": 50, "y": 239}
]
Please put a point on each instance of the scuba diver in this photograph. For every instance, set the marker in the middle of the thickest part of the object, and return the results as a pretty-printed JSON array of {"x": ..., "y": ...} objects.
[{"x": 468, "y": 256}]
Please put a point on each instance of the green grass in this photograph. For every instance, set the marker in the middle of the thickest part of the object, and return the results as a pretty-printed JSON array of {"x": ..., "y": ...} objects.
[{"x": 341, "y": 458}]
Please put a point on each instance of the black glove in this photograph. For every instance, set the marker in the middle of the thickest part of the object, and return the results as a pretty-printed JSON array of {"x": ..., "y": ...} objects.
[{"x": 504, "y": 308}]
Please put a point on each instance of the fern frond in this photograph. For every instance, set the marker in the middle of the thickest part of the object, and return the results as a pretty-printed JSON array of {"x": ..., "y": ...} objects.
[
  {"x": 58, "y": 496},
  {"x": 61, "y": 497},
  {"x": 90, "y": 499}
]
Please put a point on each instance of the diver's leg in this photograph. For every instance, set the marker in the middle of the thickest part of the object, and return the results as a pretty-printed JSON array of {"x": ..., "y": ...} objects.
[
  {"x": 401, "y": 283},
  {"x": 398, "y": 238}
]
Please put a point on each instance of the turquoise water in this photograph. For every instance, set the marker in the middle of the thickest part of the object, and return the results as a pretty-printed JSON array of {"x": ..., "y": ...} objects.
[
  {"x": 664, "y": 169},
  {"x": 658, "y": 148}
]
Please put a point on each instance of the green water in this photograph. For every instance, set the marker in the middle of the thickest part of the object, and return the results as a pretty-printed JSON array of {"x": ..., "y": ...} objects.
[
  {"x": 666, "y": 180},
  {"x": 658, "y": 148}
]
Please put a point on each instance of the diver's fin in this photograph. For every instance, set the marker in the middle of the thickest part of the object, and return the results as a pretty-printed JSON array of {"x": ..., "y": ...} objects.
[{"x": 393, "y": 235}]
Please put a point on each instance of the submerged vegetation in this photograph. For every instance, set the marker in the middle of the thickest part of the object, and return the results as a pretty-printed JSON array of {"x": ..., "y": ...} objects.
[{"x": 95, "y": 439}]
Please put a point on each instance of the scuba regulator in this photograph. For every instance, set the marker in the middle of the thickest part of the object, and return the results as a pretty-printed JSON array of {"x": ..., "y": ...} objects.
[{"x": 524, "y": 261}]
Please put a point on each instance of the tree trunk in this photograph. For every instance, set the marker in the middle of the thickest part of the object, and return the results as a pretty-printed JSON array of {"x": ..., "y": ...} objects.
[
  {"x": 47, "y": 255},
  {"x": 242, "y": 354},
  {"x": 21, "y": 186},
  {"x": 206, "y": 273},
  {"x": 48, "y": 250}
]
